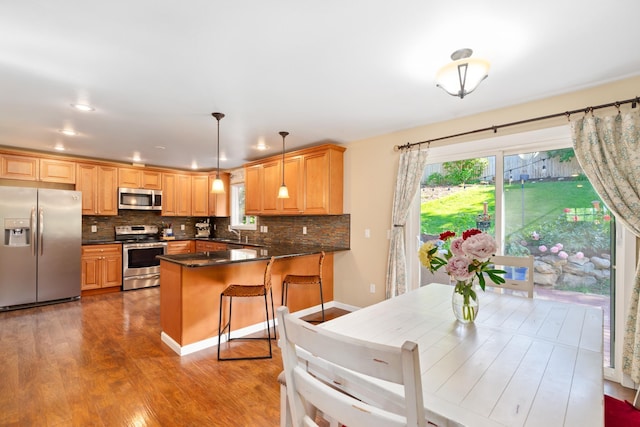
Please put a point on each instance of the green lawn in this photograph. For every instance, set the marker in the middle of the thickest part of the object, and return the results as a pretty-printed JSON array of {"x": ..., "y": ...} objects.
[{"x": 542, "y": 201}]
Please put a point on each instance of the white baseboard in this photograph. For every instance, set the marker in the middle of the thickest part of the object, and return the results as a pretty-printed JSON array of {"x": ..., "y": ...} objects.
[{"x": 213, "y": 341}]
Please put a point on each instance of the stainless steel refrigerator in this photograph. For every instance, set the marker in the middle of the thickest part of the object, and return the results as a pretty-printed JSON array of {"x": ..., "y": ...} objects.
[{"x": 41, "y": 246}]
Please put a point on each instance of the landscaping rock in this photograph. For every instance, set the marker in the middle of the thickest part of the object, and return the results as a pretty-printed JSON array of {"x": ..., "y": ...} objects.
[
  {"x": 543, "y": 279},
  {"x": 575, "y": 281},
  {"x": 601, "y": 263},
  {"x": 579, "y": 270},
  {"x": 580, "y": 261}
]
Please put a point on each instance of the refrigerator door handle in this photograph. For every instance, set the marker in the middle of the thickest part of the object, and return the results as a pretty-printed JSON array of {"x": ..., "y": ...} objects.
[
  {"x": 33, "y": 231},
  {"x": 41, "y": 231}
]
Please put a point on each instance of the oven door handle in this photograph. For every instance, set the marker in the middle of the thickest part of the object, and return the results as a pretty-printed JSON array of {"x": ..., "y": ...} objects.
[{"x": 142, "y": 276}]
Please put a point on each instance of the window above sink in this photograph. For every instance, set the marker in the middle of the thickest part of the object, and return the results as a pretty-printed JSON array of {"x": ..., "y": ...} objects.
[{"x": 238, "y": 219}]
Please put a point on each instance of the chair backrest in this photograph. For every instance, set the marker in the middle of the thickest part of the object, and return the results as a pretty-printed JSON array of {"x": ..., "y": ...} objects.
[
  {"x": 320, "y": 264},
  {"x": 319, "y": 365},
  {"x": 516, "y": 277},
  {"x": 267, "y": 273}
]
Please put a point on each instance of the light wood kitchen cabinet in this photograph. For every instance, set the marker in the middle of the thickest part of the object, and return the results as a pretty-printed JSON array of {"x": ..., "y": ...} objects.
[
  {"x": 24, "y": 168},
  {"x": 101, "y": 266},
  {"x": 313, "y": 176},
  {"x": 293, "y": 179},
  {"x": 200, "y": 195},
  {"x": 176, "y": 194},
  {"x": 139, "y": 178},
  {"x": 271, "y": 181},
  {"x": 204, "y": 246},
  {"x": 323, "y": 177},
  {"x": 219, "y": 203},
  {"x": 60, "y": 171},
  {"x": 253, "y": 189},
  {"x": 99, "y": 187},
  {"x": 180, "y": 247}
]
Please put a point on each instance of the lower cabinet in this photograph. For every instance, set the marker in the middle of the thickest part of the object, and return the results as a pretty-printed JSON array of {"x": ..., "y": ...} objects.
[
  {"x": 180, "y": 247},
  {"x": 101, "y": 266},
  {"x": 204, "y": 246}
]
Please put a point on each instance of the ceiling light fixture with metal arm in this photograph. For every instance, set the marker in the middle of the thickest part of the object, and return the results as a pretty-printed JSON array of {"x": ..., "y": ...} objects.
[
  {"x": 283, "y": 193},
  {"x": 218, "y": 186},
  {"x": 463, "y": 75}
]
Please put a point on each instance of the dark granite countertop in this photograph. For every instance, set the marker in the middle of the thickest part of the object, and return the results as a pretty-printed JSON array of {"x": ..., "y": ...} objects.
[
  {"x": 208, "y": 259},
  {"x": 100, "y": 242}
]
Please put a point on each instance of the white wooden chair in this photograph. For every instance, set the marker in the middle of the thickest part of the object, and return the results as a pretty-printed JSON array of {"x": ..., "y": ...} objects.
[
  {"x": 515, "y": 281},
  {"x": 338, "y": 361}
]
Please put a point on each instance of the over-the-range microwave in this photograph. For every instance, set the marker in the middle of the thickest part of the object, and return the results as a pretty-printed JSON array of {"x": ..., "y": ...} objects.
[{"x": 139, "y": 199}]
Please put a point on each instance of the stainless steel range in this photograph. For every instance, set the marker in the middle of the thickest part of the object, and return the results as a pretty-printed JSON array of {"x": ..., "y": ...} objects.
[{"x": 140, "y": 246}]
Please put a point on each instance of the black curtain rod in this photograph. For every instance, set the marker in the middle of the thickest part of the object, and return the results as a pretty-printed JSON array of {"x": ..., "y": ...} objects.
[{"x": 634, "y": 102}]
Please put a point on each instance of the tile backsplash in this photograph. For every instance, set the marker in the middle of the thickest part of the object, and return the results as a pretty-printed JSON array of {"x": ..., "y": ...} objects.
[{"x": 330, "y": 230}]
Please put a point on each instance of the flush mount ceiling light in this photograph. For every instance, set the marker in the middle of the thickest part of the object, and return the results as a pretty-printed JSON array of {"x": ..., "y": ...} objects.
[
  {"x": 283, "y": 192},
  {"x": 463, "y": 75},
  {"x": 218, "y": 186}
]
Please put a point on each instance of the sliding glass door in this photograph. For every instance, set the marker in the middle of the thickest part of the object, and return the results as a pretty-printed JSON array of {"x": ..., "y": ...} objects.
[{"x": 535, "y": 203}]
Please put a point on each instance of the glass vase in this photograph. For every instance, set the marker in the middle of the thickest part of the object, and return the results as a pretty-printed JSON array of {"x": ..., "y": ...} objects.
[{"x": 464, "y": 302}]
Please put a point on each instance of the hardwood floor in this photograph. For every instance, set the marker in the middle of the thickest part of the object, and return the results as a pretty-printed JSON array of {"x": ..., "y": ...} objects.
[{"x": 100, "y": 362}]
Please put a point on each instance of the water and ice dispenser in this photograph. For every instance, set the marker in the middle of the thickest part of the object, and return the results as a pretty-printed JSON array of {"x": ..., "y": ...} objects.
[{"x": 17, "y": 232}]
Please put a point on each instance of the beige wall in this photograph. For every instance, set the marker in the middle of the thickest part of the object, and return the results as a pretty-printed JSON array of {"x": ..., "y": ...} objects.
[{"x": 370, "y": 174}]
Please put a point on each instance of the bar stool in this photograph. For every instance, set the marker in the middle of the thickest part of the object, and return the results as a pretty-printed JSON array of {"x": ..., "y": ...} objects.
[
  {"x": 315, "y": 279},
  {"x": 247, "y": 291}
]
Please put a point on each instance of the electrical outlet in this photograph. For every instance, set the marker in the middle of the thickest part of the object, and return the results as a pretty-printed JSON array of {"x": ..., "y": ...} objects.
[
  {"x": 94, "y": 228},
  {"x": 367, "y": 233},
  {"x": 266, "y": 230},
  {"x": 182, "y": 227},
  {"x": 372, "y": 288},
  {"x": 304, "y": 230}
]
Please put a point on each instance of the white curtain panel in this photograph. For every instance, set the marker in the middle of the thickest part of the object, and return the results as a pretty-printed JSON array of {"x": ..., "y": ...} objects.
[
  {"x": 608, "y": 149},
  {"x": 412, "y": 164}
]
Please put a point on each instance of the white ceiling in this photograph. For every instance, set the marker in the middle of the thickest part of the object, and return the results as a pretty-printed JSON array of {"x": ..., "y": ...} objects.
[{"x": 334, "y": 70}]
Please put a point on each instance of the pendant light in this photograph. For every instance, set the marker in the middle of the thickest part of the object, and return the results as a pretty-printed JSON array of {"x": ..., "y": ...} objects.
[
  {"x": 283, "y": 193},
  {"x": 218, "y": 186}
]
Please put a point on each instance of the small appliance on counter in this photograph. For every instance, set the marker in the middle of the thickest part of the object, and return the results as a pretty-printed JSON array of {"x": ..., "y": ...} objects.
[{"x": 203, "y": 228}]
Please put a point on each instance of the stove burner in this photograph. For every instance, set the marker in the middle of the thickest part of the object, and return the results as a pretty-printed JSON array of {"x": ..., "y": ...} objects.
[{"x": 137, "y": 233}]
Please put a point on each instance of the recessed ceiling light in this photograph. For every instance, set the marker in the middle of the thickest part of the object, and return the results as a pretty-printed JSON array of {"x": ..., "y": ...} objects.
[
  {"x": 59, "y": 147},
  {"x": 194, "y": 165},
  {"x": 68, "y": 132},
  {"x": 136, "y": 156},
  {"x": 160, "y": 147},
  {"x": 261, "y": 145},
  {"x": 83, "y": 107}
]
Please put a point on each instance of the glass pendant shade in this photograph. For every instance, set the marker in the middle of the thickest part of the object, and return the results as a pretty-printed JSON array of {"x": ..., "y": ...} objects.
[
  {"x": 463, "y": 75},
  {"x": 283, "y": 192},
  {"x": 217, "y": 186}
]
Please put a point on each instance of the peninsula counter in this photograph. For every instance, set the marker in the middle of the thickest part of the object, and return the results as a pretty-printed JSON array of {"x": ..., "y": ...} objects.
[{"x": 190, "y": 287}]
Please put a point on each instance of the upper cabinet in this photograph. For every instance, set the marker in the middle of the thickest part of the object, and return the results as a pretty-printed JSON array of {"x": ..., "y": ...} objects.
[
  {"x": 314, "y": 178},
  {"x": 57, "y": 171},
  {"x": 139, "y": 178},
  {"x": 99, "y": 187},
  {"x": 176, "y": 194},
  {"x": 19, "y": 167},
  {"x": 31, "y": 168},
  {"x": 200, "y": 195}
]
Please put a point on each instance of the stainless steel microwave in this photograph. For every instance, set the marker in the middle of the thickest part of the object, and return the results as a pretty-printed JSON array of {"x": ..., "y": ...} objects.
[{"x": 139, "y": 199}]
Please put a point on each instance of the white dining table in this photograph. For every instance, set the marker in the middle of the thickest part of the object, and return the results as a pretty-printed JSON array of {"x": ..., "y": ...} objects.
[{"x": 523, "y": 362}]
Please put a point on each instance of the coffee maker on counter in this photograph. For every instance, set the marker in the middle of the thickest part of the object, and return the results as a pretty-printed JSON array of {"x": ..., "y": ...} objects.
[{"x": 203, "y": 228}]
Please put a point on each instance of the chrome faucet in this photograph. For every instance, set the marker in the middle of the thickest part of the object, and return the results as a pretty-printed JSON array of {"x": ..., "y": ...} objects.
[{"x": 236, "y": 232}]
